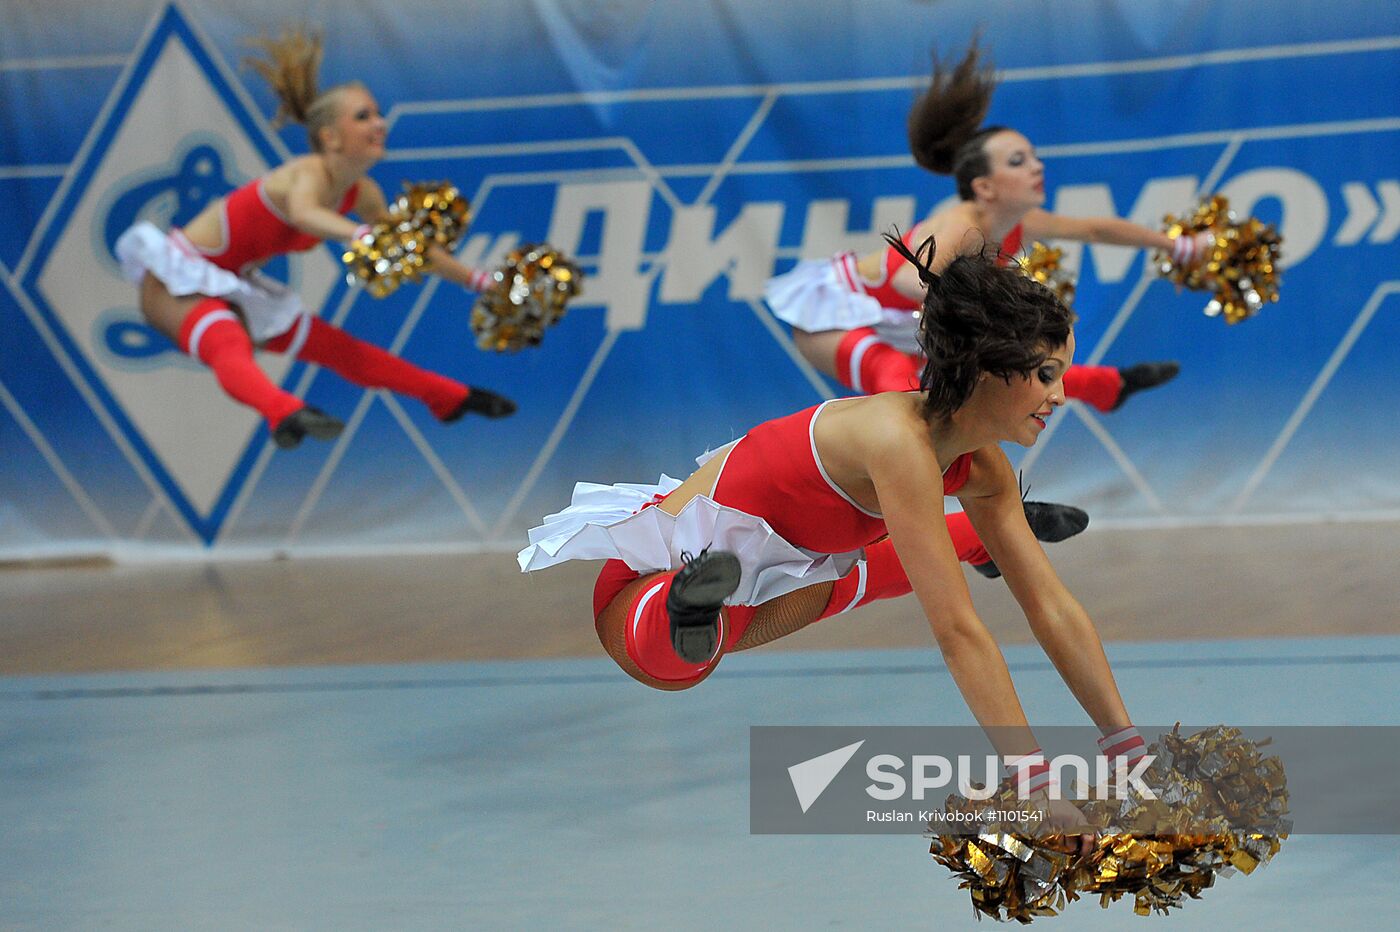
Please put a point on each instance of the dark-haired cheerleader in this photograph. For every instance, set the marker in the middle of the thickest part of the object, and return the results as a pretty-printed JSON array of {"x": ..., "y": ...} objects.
[
  {"x": 854, "y": 316},
  {"x": 816, "y": 513}
]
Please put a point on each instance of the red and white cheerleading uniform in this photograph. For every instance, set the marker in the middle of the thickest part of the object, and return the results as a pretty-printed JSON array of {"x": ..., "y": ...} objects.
[
  {"x": 880, "y": 352},
  {"x": 831, "y": 294},
  {"x": 772, "y": 505},
  {"x": 253, "y": 232}
]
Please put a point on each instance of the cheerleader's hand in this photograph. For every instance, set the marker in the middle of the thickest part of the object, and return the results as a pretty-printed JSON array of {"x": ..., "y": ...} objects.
[
  {"x": 1062, "y": 817},
  {"x": 1188, "y": 249}
]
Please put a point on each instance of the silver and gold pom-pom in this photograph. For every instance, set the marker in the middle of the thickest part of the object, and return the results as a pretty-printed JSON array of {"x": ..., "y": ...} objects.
[
  {"x": 527, "y": 296},
  {"x": 395, "y": 250},
  {"x": 1240, "y": 267},
  {"x": 1044, "y": 264},
  {"x": 1220, "y": 806}
]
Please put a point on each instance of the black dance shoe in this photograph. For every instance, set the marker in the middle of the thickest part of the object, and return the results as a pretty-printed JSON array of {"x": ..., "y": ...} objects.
[
  {"x": 1142, "y": 376},
  {"x": 306, "y": 422},
  {"x": 697, "y": 592},
  {"x": 1050, "y": 523},
  {"x": 484, "y": 402}
]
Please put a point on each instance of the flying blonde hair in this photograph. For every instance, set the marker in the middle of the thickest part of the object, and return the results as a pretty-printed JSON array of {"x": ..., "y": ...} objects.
[{"x": 291, "y": 64}]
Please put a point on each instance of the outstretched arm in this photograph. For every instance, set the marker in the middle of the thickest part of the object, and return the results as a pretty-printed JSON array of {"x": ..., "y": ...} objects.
[
  {"x": 1114, "y": 231},
  {"x": 441, "y": 262},
  {"x": 371, "y": 205},
  {"x": 909, "y": 484},
  {"x": 306, "y": 192},
  {"x": 1056, "y": 619}
]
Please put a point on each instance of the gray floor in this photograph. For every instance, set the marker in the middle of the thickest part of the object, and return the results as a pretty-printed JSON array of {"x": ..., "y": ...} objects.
[
  {"x": 1166, "y": 584},
  {"x": 556, "y": 793}
]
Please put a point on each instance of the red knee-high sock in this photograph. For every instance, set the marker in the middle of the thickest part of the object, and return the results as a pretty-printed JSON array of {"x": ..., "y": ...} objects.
[
  {"x": 649, "y": 633},
  {"x": 368, "y": 365},
  {"x": 849, "y": 353},
  {"x": 867, "y": 364},
  {"x": 214, "y": 335},
  {"x": 1095, "y": 385},
  {"x": 965, "y": 539},
  {"x": 879, "y": 576}
]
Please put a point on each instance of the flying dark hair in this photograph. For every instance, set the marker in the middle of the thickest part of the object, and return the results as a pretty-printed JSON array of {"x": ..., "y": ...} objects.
[
  {"x": 946, "y": 135},
  {"x": 980, "y": 317}
]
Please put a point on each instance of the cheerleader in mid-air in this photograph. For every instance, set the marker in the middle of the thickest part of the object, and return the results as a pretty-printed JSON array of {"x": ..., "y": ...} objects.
[
  {"x": 200, "y": 285},
  {"x": 817, "y": 513},
  {"x": 855, "y": 317}
]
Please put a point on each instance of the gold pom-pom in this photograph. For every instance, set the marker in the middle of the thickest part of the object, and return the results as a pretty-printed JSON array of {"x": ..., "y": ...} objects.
[
  {"x": 395, "y": 250},
  {"x": 1221, "y": 806},
  {"x": 1240, "y": 268},
  {"x": 1043, "y": 264},
  {"x": 1009, "y": 874},
  {"x": 528, "y": 295}
]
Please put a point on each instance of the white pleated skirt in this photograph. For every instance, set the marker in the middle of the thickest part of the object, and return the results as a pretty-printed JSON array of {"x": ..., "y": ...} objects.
[
  {"x": 609, "y": 522},
  {"x": 819, "y": 295},
  {"x": 269, "y": 307}
]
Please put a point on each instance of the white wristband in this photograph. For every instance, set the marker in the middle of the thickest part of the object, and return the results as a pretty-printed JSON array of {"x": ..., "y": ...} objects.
[
  {"x": 1030, "y": 771},
  {"x": 479, "y": 280},
  {"x": 1184, "y": 249},
  {"x": 1124, "y": 743}
]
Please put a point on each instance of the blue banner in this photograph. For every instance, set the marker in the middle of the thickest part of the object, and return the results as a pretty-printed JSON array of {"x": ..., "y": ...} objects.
[{"x": 684, "y": 152}]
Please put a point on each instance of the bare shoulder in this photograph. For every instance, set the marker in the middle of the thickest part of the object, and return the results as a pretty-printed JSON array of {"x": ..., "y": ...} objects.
[
  {"x": 369, "y": 204},
  {"x": 304, "y": 171},
  {"x": 859, "y": 431},
  {"x": 888, "y": 434},
  {"x": 875, "y": 442},
  {"x": 955, "y": 231}
]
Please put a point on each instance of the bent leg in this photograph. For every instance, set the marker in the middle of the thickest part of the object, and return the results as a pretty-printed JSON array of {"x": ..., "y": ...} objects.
[
  {"x": 867, "y": 364},
  {"x": 367, "y": 365},
  {"x": 635, "y": 628},
  {"x": 860, "y": 360},
  {"x": 213, "y": 334},
  {"x": 879, "y": 576},
  {"x": 164, "y": 311},
  {"x": 1049, "y": 522}
]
